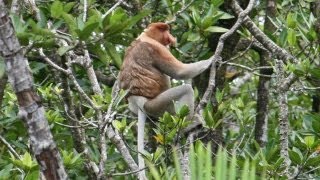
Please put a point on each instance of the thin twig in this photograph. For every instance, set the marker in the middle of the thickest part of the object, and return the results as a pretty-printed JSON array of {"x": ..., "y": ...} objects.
[
  {"x": 174, "y": 18},
  {"x": 85, "y": 6},
  {"x": 112, "y": 8},
  {"x": 51, "y": 63},
  {"x": 252, "y": 69},
  {"x": 7, "y": 144}
]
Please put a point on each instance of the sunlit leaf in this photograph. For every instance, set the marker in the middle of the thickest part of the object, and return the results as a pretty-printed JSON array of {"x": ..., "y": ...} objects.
[
  {"x": 216, "y": 29},
  {"x": 56, "y": 9},
  {"x": 309, "y": 141},
  {"x": 292, "y": 20},
  {"x": 292, "y": 39},
  {"x": 159, "y": 138}
]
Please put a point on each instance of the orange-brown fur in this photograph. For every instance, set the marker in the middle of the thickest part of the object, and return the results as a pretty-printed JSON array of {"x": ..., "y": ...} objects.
[{"x": 139, "y": 72}]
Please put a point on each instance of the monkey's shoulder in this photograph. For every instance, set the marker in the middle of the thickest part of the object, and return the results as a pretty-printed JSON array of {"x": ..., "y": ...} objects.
[{"x": 142, "y": 48}]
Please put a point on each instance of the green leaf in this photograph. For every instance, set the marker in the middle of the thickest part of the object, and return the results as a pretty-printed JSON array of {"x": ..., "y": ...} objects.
[
  {"x": 116, "y": 58},
  {"x": 192, "y": 161},
  {"x": 208, "y": 19},
  {"x": 71, "y": 23},
  {"x": 118, "y": 16},
  {"x": 75, "y": 158},
  {"x": 239, "y": 103},
  {"x": 283, "y": 37},
  {"x": 219, "y": 96},
  {"x": 312, "y": 34},
  {"x": 221, "y": 165},
  {"x": 196, "y": 17},
  {"x": 87, "y": 30},
  {"x": 184, "y": 111},
  {"x": 217, "y": 3},
  {"x": 177, "y": 164},
  {"x": 159, "y": 152},
  {"x": 208, "y": 164},
  {"x": 292, "y": 39},
  {"x": 118, "y": 125},
  {"x": 27, "y": 160},
  {"x": 154, "y": 172},
  {"x": 292, "y": 20},
  {"x": 133, "y": 20},
  {"x": 245, "y": 172},
  {"x": 194, "y": 37},
  {"x": 278, "y": 163},
  {"x": 316, "y": 126},
  {"x": 101, "y": 53},
  {"x": 208, "y": 117},
  {"x": 56, "y": 9},
  {"x": 2, "y": 68},
  {"x": 253, "y": 172},
  {"x": 67, "y": 7},
  {"x": 294, "y": 157},
  {"x": 200, "y": 160},
  {"x": 309, "y": 140},
  {"x": 19, "y": 26},
  {"x": 232, "y": 168},
  {"x": 80, "y": 23},
  {"x": 225, "y": 15},
  {"x": 5, "y": 172},
  {"x": 313, "y": 161},
  {"x": 216, "y": 29},
  {"x": 38, "y": 30},
  {"x": 32, "y": 175},
  {"x": 63, "y": 49}
]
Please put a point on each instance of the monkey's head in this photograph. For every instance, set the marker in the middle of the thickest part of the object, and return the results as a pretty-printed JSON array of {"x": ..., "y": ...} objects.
[{"x": 160, "y": 32}]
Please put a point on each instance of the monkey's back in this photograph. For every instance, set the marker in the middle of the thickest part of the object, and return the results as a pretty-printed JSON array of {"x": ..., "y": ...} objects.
[{"x": 138, "y": 73}]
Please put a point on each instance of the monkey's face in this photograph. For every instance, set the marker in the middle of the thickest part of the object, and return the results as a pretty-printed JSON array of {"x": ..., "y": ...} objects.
[{"x": 160, "y": 32}]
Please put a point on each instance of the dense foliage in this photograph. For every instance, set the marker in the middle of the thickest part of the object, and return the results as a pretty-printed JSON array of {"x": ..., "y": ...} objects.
[{"x": 67, "y": 30}]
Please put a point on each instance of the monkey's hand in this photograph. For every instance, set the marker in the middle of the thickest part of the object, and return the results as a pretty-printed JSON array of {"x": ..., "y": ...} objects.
[{"x": 191, "y": 70}]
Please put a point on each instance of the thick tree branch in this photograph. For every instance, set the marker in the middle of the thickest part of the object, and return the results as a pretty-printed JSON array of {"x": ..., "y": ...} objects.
[
  {"x": 30, "y": 109},
  {"x": 217, "y": 55},
  {"x": 283, "y": 82},
  {"x": 263, "y": 86}
]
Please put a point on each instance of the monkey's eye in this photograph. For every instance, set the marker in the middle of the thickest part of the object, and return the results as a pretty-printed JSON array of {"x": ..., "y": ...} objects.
[{"x": 162, "y": 29}]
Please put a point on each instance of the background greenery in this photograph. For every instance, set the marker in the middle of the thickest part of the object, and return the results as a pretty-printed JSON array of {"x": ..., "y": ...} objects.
[{"x": 107, "y": 37}]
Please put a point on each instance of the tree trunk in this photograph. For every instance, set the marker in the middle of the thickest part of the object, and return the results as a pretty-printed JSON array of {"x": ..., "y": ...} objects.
[
  {"x": 263, "y": 87},
  {"x": 30, "y": 109},
  {"x": 228, "y": 52}
]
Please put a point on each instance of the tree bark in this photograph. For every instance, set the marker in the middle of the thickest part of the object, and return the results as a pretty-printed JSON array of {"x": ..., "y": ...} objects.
[
  {"x": 315, "y": 9},
  {"x": 228, "y": 52},
  {"x": 263, "y": 86},
  {"x": 31, "y": 110}
]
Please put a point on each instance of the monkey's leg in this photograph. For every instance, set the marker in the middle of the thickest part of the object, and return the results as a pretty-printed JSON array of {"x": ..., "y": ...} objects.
[{"x": 182, "y": 95}]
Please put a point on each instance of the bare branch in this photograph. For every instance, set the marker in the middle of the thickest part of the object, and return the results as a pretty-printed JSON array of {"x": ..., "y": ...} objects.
[
  {"x": 252, "y": 69},
  {"x": 85, "y": 7},
  {"x": 216, "y": 57},
  {"x": 112, "y": 8},
  {"x": 7, "y": 144},
  {"x": 283, "y": 116},
  {"x": 51, "y": 63},
  {"x": 174, "y": 18}
]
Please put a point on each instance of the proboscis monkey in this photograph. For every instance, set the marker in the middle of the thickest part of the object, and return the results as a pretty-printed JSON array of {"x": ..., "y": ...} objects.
[{"x": 145, "y": 73}]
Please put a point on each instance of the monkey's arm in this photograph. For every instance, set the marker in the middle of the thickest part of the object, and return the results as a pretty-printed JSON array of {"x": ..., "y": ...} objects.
[
  {"x": 169, "y": 65},
  {"x": 189, "y": 71}
]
